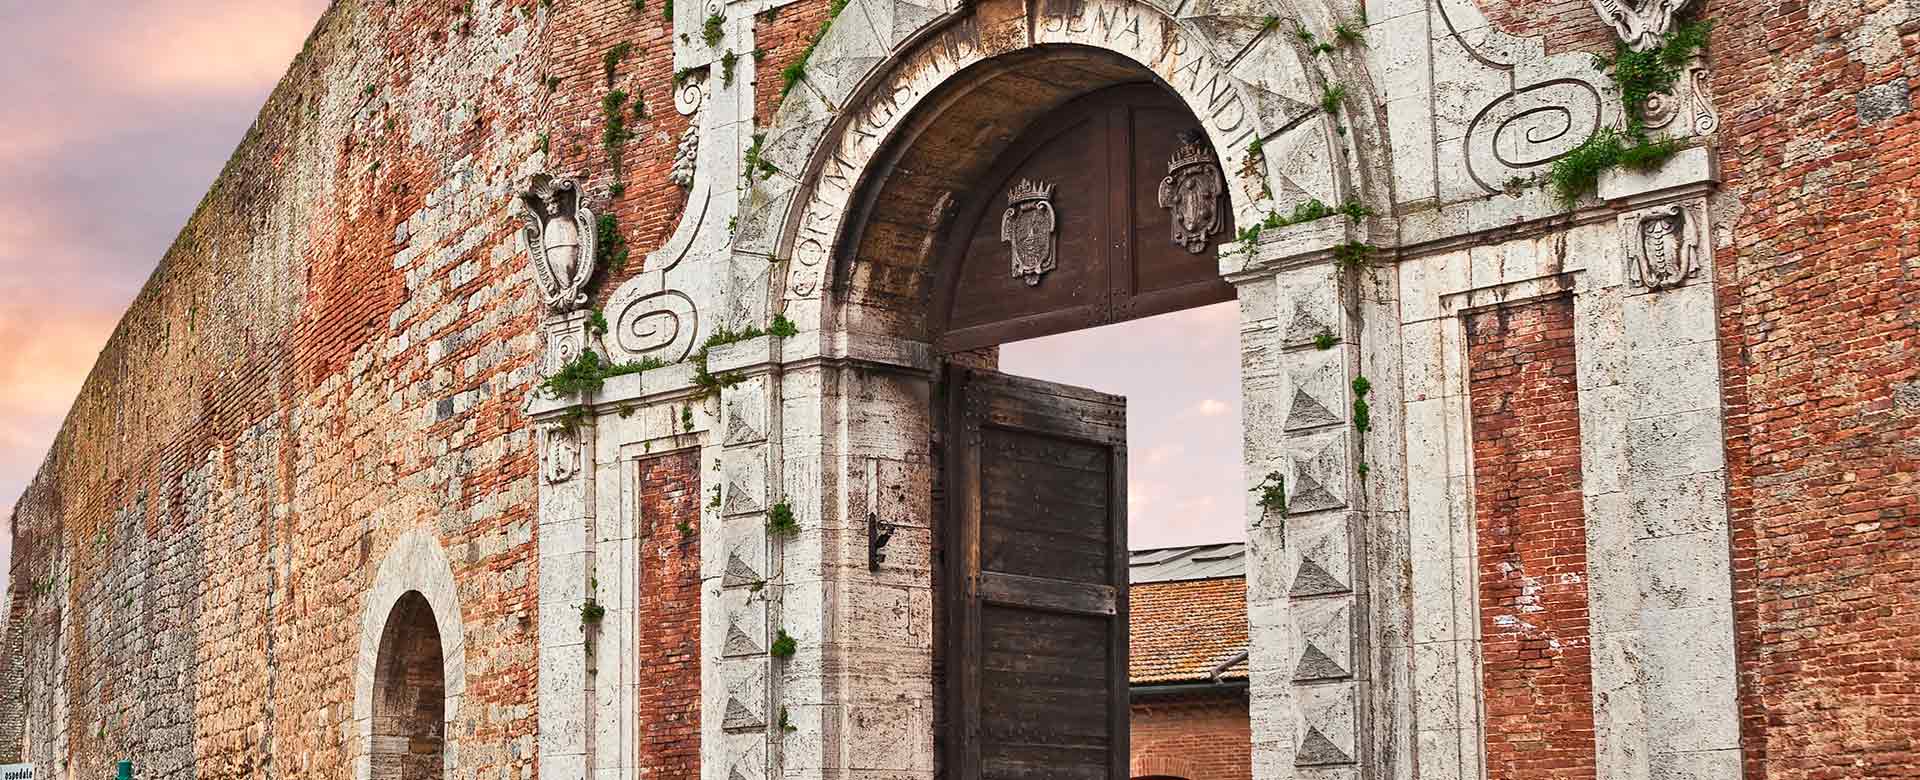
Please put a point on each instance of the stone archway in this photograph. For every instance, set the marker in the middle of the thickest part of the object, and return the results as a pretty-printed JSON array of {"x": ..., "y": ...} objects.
[
  {"x": 409, "y": 695},
  {"x": 411, "y": 668},
  {"x": 873, "y": 90},
  {"x": 898, "y": 110}
]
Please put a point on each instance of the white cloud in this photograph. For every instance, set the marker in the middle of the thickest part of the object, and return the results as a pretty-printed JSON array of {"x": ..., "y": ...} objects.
[{"x": 1212, "y": 408}]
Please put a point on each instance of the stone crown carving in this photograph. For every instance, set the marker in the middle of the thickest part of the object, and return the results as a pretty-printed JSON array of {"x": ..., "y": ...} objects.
[
  {"x": 1642, "y": 24},
  {"x": 559, "y": 236}
]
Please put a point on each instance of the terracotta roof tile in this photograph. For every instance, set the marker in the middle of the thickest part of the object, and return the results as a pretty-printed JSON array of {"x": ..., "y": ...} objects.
[{"x": 1182, "y": 630}]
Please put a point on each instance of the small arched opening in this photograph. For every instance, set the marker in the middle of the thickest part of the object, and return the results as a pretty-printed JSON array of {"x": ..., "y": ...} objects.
[{"x": 409, "y": 695}]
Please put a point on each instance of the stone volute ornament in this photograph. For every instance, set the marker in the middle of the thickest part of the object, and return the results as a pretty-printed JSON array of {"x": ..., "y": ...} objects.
[
  {"x": 1191, "y": 190},
  {"x": 559, "y": 236},
  {"x": 1029, "y": 227},
  {"x": 1664, "y": 244},
  {"x": 1642, "y": 24}
]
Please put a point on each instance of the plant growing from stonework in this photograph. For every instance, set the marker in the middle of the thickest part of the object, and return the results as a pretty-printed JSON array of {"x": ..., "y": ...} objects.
[
  {"x": 797, "y": 70},
  {"x": 591, "y": 612},
  {"x": 1639, "y": 75},
  {"x": 784, "y": 724},
  {"x": 1352, "y": 254},
  {"x": 727, "y": 61},
  {"x": 587, "y": 372},
  {"x": 1348, "y": 33},
  {"x": 780, "y": 520},
  {"x": 596, "y": 322},
  {"x": 1324, "y": 340},
  {"x": 1273, "y": 493},
  {"x": 783, "y": 645},
  {"x": 756, "y": 165},
  {"x": 1362, "y": 413},
  {"x": 1331, "y": 97},
  {"x": 686, "y": 418},
  {"x": 713, "y": 29},
  {"x": 781, "y": 327}
]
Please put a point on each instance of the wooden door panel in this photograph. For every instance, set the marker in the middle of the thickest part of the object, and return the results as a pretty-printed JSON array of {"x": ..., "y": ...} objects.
[
  {"x": 1115, "y": 257},
  {"x": 1036, "y": 653}
]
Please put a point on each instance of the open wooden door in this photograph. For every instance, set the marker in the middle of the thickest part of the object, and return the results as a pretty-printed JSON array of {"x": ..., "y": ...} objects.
[{"x": 1036, "y": 581}]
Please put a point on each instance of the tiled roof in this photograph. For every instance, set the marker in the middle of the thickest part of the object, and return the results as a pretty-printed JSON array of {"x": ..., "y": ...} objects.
[
  {"x": 1185, "y": 624},
  {"x": 1189, "y": 563}
]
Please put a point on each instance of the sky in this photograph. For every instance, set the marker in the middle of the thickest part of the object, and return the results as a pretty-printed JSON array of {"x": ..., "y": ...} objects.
[
  {"x": 115, "y": 116},
  {"x": 1180, "y": 374}
]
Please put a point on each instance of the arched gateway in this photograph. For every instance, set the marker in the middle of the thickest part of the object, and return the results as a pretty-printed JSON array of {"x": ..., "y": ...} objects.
[{"x": 913, "y": 565}]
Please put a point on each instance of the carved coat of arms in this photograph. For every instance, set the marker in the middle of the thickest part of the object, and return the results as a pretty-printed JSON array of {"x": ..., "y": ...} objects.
[
  {"x": 1642, "y": 24},
  {"x": 1664, "y": 244},
  {"x": 1192, "y": 191},
  {"x": 559, "y": 235},
  {"x": 1028, "y": 225}
]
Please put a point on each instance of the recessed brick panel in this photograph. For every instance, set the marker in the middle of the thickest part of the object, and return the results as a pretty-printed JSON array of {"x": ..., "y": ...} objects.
[
  {"x": 1536, "y": 672},
  {"x": 668, "y": 618}
]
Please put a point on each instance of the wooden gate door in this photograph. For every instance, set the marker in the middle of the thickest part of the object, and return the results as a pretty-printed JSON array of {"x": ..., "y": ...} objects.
[{"x": 1037, "y": 647}]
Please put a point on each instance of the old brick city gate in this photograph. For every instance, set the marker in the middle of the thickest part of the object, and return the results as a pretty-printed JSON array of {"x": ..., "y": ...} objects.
[
  {"x": 492, "y": 417},
  {"x": 892, "y": 209}
]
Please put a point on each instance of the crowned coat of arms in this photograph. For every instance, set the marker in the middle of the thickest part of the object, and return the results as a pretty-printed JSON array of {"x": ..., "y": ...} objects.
[
  {"x": 559, "y": 235},
  {"x": 1028, "y": 225},
  {"x": 1192, "y": 191}
]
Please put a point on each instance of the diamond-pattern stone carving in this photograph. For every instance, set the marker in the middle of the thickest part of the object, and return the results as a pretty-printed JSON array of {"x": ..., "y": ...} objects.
[
  {"x": 738, "y": 643},
  {"x": 741, "y": 717},
  {"x": 1319, "y": 478},
  {"x": 746, "y": 417},
  {"x": 1325, "y": 564},
  {"x": 1325, "y": 640},
  {"x": 1310, "y": 312},
  {"x": 745, "y": 474},
  {"x": 1316, "y": 394},
  {"x": 739, "y": 573},
  {"x": 1327, "y": 733}
]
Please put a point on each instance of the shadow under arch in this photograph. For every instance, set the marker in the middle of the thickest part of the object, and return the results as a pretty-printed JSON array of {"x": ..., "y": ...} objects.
[{"x": 972, "y": 80}]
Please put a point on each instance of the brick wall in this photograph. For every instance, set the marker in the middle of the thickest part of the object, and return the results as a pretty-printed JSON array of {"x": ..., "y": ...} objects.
[
  {"x": 1567, "y": 25},
  {"x": 1532, "y": 542},
  {"x": 1198, "y": 737},
  {"x": 13, "y": 705},
  {"x": 669, "y": 617},
  {"x": 1819, "y": 338}
]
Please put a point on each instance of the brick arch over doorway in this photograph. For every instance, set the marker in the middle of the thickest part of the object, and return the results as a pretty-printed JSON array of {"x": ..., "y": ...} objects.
[{"x": 413, "y": 594}]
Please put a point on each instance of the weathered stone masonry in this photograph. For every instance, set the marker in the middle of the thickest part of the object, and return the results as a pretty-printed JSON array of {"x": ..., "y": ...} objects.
[{"x": 323, "y": 404}]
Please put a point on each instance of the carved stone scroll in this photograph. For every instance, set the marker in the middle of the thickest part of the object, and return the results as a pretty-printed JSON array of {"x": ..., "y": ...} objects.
[
  {"x": 659, "y": 325},
  {"x": 1192, "y": 190},
  {"x": 1664, "y": 244},
  {"x": 1029, "y": 225},
  {"x": 559, "y": 238}
]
